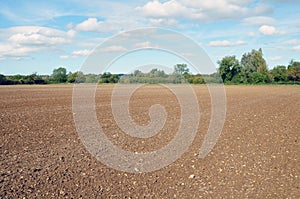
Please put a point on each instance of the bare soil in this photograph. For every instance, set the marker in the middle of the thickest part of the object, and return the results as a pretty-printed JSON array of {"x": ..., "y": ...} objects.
[{"x": 257, "y": 154}]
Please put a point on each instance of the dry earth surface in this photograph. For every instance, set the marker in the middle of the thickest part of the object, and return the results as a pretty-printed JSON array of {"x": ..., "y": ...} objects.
[{"x": 257, "y": 154}]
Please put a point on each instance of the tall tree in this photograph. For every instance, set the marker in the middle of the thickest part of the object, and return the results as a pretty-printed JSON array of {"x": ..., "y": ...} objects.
[
  {"x": 181, "y": 69},
  {"x": 59, "y": 75},
  {"x": 229, "y": 67},
  {"x": 254, "y": 62}
]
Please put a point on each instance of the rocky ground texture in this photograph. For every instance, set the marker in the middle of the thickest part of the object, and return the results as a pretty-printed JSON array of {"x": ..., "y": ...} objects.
[{"x": 257, "y": 154}]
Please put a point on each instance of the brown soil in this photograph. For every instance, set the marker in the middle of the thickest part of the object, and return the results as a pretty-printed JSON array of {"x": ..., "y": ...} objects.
[{"x": 257, "y": 155}]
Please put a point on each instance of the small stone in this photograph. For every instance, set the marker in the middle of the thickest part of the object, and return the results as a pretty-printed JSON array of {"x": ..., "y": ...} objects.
[{"x": 191, "y": 176}]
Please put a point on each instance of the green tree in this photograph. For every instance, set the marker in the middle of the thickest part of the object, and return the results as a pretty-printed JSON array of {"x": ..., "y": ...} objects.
[
  {"x": 293, "y": 72},
  {"x": 180, "y": 69},
  {"x": 157, "y": 73},
  {"x": 34, "y": 78},
  {"x": 240, "y": 78},
  {"x": 76, "y": 77},
  {"x": 3, "y": 79},
  {"x": 229, "y": 68},
  {"x": 279, "y": 73},
  {"x": 137, "y": 73},
  {"x": 254, "y": 62},
  {"x": 107, "y": 77},
  {"x": 91, "y": 78},
  {"x": 59, "y": 75},
  {"x": 196, "y": 79},
  {"x": 259, "y": 78}
]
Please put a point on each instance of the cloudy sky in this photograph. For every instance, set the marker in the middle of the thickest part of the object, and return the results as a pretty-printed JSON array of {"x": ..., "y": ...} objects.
[{"x": 38, "y": 36}]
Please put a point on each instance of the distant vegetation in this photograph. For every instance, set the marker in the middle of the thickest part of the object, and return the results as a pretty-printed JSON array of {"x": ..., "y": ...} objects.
[{"x": 251, "y": 69}]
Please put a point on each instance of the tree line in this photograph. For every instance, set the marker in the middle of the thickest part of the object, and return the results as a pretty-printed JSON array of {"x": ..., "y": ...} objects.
[
  {"x": 58, "y": 76},
  {"x": 251, "y": 69}
]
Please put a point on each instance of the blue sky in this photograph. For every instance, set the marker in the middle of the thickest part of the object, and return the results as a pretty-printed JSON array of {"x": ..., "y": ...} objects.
[{"x": 37, "y": 36}]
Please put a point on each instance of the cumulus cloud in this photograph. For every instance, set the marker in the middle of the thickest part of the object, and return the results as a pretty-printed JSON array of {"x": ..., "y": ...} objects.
[
  {"x": 164, "y": 22},
  {"x": 34, "y": 35},
  {"x": 226, "y": 43},
  {"x": 204, "y": 10},
  {"x": 168, "y": 8},
  {"x": 21, "y": 41},
  {"x": 269, "y": 30},
  {"x": 93, "y": 25}
]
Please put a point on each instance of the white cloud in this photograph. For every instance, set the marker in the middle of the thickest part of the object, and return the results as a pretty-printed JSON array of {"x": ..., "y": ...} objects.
[
  {"x": 21, "y": 41},
  {"x": 269, "y": 30},
  {"x": 292, "y": 42},
  {"x": 259, "y": 20},
  {"x": 283, "y": 1},
  {"x": 71, "y": 33},
  {"x": 70, "y": 26},
  {"x": 93, "y": 25},
  {"x": 296, "y": 48},
  {"x": 76, "y": 53},
  {"x": 164, "y": 22},
  {"x": 64, "y": 57},
  {"x": 35, "y": 35},
  {"x": 84, "y": 52},
  {"x": 275, "y": 58},
  {"x": 226, "y": 43},
  {"x": 251, "y": 34},
  {"x": 36, "y": 39},
  {"x": 11, "y": 51},
  {"x": 204, "y": 10},
  {"x": 113, "y": 49},
  {"x": 145, "y": 44},
  {"x": 168, "y": 8}
]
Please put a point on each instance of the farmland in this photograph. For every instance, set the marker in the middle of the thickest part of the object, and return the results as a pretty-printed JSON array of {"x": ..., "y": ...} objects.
[{"x": 256, "y": 156}]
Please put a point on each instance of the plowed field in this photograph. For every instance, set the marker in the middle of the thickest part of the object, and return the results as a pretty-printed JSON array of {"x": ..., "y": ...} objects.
[{"x": 256, "y": 156}]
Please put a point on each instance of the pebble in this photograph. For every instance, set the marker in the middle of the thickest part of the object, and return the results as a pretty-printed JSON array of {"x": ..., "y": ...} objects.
[{"x": 191, "y": 176}]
